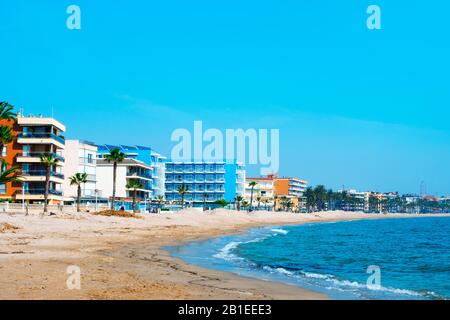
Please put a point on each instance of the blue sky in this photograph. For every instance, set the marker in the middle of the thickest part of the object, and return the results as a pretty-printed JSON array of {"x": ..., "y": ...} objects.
[{"x": 360, "y": 108}]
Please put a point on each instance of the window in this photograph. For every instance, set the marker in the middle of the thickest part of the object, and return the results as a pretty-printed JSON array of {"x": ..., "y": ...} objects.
[
  {"x": 4, "y": 151},
  {"x": 89, "y": 158},
  {"x": 2, "y": 188}
]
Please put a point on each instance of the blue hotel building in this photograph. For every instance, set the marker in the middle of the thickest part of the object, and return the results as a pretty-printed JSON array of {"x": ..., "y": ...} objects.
[
  {"x": 146, "y": 155},
  {"x": 205, "y": 181}
]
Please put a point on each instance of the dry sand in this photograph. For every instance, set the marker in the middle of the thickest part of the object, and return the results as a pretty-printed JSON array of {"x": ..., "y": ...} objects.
[{"x": 121, "y": 258}]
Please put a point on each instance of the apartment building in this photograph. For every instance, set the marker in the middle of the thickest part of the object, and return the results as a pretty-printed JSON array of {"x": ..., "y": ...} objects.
[
  {"x": 291, "y": 188},
  {"x": 205, "y": 181},
  {"x": 264, "y": 190},
  {"x": 144, "y": 155},
  {"x": 129, "y": 169},
  {"x": 34, "y": 136},
  {"x": 80, "y": 157}
]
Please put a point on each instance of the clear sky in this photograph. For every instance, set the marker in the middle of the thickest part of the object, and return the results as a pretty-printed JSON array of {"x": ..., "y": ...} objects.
[{"x": 365, "y": 109}]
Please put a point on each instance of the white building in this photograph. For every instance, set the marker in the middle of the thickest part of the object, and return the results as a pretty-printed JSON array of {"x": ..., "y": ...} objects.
[
  {"x": 264, "y": 190},
  {"x": 129, "y": 169},
  {"x": 80, "y": 157}
]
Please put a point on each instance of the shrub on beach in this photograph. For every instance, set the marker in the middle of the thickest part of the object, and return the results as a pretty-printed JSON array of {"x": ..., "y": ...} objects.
[
  {"x": 6, "y": 227},
  {"x": 115, "y": 213}
]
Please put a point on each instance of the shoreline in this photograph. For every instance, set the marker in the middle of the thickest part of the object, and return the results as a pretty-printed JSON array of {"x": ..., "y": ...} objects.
[{"x": 124, "y": 258}]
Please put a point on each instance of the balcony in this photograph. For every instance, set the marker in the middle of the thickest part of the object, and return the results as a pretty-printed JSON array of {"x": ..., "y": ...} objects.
[
  {"x": 41, "y": 138},
  {"x": 40, "y": 175},
  {"x": 35, "y": 157},
  {"x": 38, "y": 194}
]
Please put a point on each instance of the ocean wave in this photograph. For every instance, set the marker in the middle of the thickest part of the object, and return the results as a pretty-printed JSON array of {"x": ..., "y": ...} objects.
[
  {"x": 280, "y": 231},
  {"x": 226, "y": 252},
  {"x": 346, "y": 285}
]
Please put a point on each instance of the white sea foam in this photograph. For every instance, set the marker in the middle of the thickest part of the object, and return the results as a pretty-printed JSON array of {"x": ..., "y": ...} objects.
[
  {"x": 280, "y": 231},
  {"x": 342, "y": 285},
  {"x": 226, "y": 252}
]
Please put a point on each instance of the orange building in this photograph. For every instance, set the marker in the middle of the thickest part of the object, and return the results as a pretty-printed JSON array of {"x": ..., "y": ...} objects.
[
  {"x": 33, "y": 136},
  {"x": 290, "y": 188},
  {"x": 9, "y": 155}
]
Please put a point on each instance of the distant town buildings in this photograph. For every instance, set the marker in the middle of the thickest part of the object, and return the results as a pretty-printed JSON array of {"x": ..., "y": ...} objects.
[
  {"x": 275, "y": 192},
  {"x": 162, "y": 179}
]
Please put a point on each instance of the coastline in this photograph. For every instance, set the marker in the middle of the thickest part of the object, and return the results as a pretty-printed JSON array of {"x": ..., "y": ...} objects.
[{"x": 124, "y": 258}]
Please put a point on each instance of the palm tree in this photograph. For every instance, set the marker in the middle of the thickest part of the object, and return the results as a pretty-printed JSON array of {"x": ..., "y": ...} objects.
[
  {"x": 183, "y": 190},
  {"x": 252, "y": 185},
  {"x": 321, "y": 196},
  {"x": 238, "y": 201},
  {"x": 6, "y": 111},
  {"x": 310, "y": 198},
  {"x": 9, "y": 175},
  {"x": 159, "y": 199},
  {"x": 77, "y": 180},
  {"x": 134, "y": 185},
  {"x": 205, "y": 198},
  {"x": 49, "y": 161},
  {"x": 221, "y": 202},
  {"x": 258, "y": 198},
  {"x": 6, "y": 137},
  {"x": 115, "y": 156}
]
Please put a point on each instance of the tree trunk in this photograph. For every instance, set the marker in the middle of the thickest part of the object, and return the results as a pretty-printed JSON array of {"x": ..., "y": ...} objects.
[
  {"x": 113, "y": 200},
  {"x": 182, "y": 201},
  {"x": 251, "y": 201},
  {"x": 47, "y": 188},
  {"x": 78, "y": 198},
  {"x": 134, "y": 200},
  {"x": 1, "y": 155}
]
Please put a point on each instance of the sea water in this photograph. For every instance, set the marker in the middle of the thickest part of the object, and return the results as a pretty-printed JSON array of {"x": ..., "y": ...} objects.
[{"x": 412, "y": 254}]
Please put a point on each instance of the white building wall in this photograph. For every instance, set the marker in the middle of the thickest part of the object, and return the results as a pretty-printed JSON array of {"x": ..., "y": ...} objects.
[
  {"x": 105, "y": 181},
  {"x": 76, "y": 154}
]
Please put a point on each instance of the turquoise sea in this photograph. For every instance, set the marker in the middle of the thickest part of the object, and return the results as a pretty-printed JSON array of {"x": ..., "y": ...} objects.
[{"x": 413, "y": 256}]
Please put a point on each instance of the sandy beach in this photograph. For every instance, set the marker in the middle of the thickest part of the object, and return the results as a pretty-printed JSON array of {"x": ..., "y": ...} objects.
[{"x": 121, "y": 258}]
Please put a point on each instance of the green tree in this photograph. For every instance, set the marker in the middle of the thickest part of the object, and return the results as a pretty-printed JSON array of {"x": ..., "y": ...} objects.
[
  {"x": 160, "y": 200},
  {"x": 134, "y": 185},
  {"x": 258, "y": 199},
  {"x": 115, "y": 156},
  {"x": 252, "y": 185},
  {"x": 183, "y": 191},
  {"x": 6, "y": 136},
  {"x": 77, "y": 180},
  {"x": 9, "y": 175},
  {"x": 238, "y": 200},
  {"x": 310, "y": 199},
  {"x": 221, "y": 202},
  {"x": 320, "y": 197},
  {"x": 49, "y": 161}
]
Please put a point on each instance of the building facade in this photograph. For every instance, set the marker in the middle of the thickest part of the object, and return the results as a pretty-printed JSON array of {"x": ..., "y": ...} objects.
[
  {"x": 129, "y": 169},
  {"x": 205, "y": 181},
  {"x": 146, "y": 156},
  {"x": 33, "y": 137},
  {"x": 80, "y": 157},
  {"x": 263, "y": 192}
]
